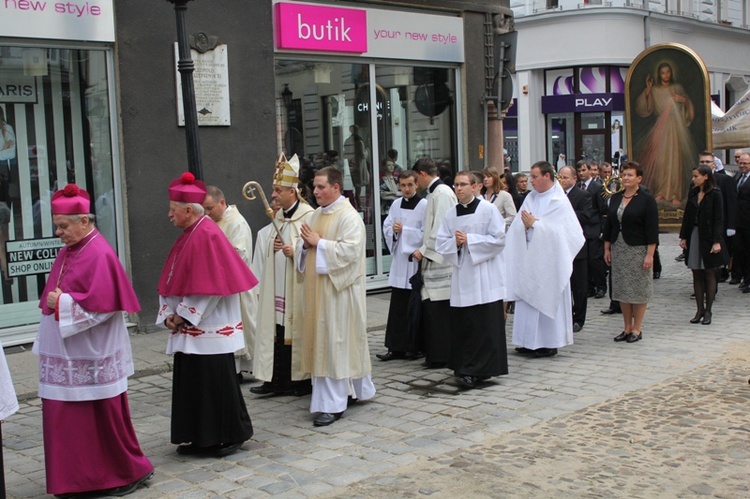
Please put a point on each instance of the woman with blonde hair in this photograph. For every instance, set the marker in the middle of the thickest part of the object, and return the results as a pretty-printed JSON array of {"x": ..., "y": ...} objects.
[{"x": 495, "y": 191}]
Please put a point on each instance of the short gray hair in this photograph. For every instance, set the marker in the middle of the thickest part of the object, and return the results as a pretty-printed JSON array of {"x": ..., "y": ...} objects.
[{"x": 197, "y": 207}]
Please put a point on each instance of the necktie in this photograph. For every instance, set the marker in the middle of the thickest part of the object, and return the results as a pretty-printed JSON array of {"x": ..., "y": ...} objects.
[
  {"x": 581, "y": 185},
  {"x": 742, "y": 180}
]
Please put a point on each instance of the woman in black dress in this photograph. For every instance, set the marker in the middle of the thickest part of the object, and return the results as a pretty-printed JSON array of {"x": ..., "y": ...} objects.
[{"x": 701, "y": 236}]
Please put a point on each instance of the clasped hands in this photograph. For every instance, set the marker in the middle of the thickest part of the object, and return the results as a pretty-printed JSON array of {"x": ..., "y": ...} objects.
[
  {"x": 528, "y": 219},
  {"x": 310, "y": 237},
  {"x": 284, "y": 248},
  {"x": 174, "y": 322}
]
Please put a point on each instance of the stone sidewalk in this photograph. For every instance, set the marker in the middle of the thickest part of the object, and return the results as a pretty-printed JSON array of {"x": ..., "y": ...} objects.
[{"x": 421, "y": 434}]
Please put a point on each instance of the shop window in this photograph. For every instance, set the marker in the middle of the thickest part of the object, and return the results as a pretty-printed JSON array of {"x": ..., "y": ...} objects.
[
  {"x": 414, "y": 117},
  {"x": 56, "y": 128}
]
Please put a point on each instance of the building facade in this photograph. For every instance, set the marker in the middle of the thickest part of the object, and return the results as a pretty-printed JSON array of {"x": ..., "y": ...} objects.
[
  {"x": 573, "y": 60},
  {"x": 89, "y": 94}
]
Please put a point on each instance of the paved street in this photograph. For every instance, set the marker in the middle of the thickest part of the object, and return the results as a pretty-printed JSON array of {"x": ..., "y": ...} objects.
[{"x": 665, "y": 417}]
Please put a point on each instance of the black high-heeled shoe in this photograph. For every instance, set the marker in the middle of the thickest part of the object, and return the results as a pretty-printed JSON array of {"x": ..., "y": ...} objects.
[
  {"x": 698, "y": 317},
  {"x": 707, "y": 318}
]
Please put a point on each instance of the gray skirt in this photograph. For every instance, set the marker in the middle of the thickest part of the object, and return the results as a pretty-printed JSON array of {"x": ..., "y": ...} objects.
[{"x": 630, "y": 283}]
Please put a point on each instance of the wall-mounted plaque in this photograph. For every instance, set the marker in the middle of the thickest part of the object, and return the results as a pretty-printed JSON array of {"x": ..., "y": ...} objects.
[{"x": 211, "y": 80}]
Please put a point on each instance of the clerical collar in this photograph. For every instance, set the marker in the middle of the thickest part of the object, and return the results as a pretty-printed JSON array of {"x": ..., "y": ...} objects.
[
  {"x": 467, "y": 209},
  {"x": 226, "y": 212},
  {"x": 433, "y": 185},
  {"x": 290, "y": 212},
  {"x": 410, "y": 203},
  {"x": 329, "y": 207}
]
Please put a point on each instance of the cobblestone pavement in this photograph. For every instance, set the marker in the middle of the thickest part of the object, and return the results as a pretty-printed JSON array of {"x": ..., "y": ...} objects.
[{"x": 667, "y": 416}]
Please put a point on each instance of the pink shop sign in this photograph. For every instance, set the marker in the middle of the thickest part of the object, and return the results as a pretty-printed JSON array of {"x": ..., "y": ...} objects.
[{"x": 319, "y": 28}]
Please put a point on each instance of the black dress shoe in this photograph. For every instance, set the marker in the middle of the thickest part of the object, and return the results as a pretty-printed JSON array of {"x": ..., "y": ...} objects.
[
  {"x": 610, "y": 311},
  {"x": 622, "y": 336},
  {"x": 577, "y": 327},
  {"x": 226, "y": 449},
  {"x": 390, "y": 355},
  {"x": 632, "y": 337},
  {"x": 680, "y": 257},
  {"x": 524, "y": 350},
  {"x": 263, "y": 389},
  {"x": 327, "y": 418},
  {"x": 130, "y": 488},
  {"x": 467, "y": 381},
  {"x": 433, "y": 365},
  {"x": 734, "y": 280},
  {"x": 707, "y": 318},
  {"x": 545, "y": 352},
  {"x": 414, "y": 355},
  {"x": 600, "y": 293},
  {"x": 746, "y": 289},
  {"x": 697, "y": 318},
  {"x": 192, "y": 449},
  {"x": 657, "y": 275}
]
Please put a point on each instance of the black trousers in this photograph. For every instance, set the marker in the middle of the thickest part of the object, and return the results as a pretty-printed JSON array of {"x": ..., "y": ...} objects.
[
  {"x": 742, "y": 252},
  {"x": 597, "y": 269},
  {"x": 579, "y": 289}
]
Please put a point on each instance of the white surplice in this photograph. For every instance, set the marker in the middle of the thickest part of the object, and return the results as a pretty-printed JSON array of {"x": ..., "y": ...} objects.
[
  {"x": 216, "y": 324},
  {"x": 83, "y": 356},
  {"x": 478, "y": 265},
  {"x": 436, "y": 272},
  {"x": 539, "y": 262},
  {"x": 404, "y": 244}
]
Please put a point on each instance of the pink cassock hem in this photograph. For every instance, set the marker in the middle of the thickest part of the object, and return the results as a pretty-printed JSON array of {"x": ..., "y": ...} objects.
[{"x": 91, "y": 445}]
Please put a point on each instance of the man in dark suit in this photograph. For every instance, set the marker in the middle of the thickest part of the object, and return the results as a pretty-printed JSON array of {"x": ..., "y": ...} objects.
[
  {"x": 589, "y": 220},
  {"x": 597, "y": 268},
  {"x": 729, "y": 198},
  {"x": 741, "y": 250}
]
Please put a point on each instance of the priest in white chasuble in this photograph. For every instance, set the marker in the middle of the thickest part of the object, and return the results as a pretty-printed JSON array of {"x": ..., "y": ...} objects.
[
  {"x": 471, "y": 238},
  {"x": 403, "y": 234},
  {"x": 278, "y": 341},
  {"x": 541, "y": 245},
  {"x": 331, "y": 255}
]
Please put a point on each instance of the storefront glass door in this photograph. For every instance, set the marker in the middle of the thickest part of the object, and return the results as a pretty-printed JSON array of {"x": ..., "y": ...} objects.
[
  {"x": 413, "y": 117},
  {"x": 55, "y": 128}
]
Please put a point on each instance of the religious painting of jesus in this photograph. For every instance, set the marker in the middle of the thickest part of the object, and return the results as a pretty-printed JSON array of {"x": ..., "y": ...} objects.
[{"x": 669, "y": 118}]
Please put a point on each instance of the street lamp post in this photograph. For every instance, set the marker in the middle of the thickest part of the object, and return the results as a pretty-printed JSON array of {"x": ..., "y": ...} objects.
[{"x": 186, "y": 68}]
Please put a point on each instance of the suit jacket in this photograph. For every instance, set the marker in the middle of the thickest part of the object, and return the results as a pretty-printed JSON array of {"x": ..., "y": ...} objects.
[
  {"x": 587, "y": 216},
  {"x": 708, "y": 217},
  {"x": 640, "y": 220},
  {"x": 596, "y": 189},
  {"x": 743, "y": 202},
  {"x": 729, "y": 199}
]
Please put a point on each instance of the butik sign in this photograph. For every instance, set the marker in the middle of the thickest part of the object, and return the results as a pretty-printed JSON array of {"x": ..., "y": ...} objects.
[
  {"x": 86, "y": 20},
  {"x": 376, "y": 33},
  {"x": 327, "y": 29}
]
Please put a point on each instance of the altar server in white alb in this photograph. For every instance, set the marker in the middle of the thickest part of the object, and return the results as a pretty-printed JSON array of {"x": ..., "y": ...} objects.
[
  {"x": 278, "y": 342},
  {"x": 331, "y": 255},
  {"x": 471, "y": 238},
  {"x": 541, "y": 246},
  {"x": 402, "y": 231}
]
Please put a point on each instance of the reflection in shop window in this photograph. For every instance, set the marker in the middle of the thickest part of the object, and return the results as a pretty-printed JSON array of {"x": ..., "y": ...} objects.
[{"x": 55, "y": 104}]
